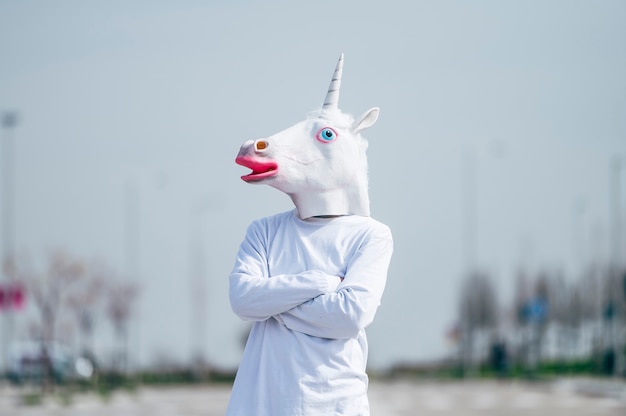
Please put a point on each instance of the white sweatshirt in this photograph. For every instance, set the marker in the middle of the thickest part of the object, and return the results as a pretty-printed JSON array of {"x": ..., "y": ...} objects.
[{"x": 307, "y": 351}]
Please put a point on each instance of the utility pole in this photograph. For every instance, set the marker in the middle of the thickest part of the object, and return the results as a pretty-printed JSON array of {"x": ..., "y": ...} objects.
[
  {"x": 9, "y": 122},
  {"x": 470, "y": 233},
  {"x": 131, "y": 266},
  {"x": 470, "y": 250},
  {"x": 198, "y": 280},
  {"x": 198, "y": 276},
  {"x": 615, "y": 203},
  {"x": 617, "y": 266}
]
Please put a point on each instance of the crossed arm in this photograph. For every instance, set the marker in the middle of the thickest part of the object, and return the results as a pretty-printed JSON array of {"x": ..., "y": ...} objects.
[{"x": 313, "y": 302}]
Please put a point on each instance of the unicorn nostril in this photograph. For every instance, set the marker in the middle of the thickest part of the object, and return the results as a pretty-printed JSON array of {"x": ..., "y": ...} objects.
[{"x": 261, "y": 145}]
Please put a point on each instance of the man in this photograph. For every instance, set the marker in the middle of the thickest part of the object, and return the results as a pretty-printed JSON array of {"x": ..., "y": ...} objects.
[{"x": 310, "y": 279}]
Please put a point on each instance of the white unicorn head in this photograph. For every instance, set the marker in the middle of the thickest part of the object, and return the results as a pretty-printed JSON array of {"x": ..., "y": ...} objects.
[{"x": 319, "y": 162}]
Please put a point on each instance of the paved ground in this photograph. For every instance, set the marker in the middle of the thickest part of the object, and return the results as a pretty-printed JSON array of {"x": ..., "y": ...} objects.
[{"x": 565, "y": 397}]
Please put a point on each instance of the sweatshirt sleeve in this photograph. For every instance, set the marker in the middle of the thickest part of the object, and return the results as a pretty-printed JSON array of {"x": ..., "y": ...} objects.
[
  {"x": 344, "y": 313},
  {"x": 256, "y": 296}
]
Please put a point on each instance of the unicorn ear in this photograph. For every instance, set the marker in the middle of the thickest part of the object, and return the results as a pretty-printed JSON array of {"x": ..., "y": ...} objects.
[{"x": 367, "y": 120}]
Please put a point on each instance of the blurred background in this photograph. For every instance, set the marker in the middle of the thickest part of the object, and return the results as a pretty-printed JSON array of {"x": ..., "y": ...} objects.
[{"x": 499, "y": 162}]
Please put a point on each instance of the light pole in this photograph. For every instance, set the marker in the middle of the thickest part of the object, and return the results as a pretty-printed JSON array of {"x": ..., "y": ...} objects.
[
  {"x": 579, "y": 237},
  {"x": 135, "y": 205},
  {"x": 471, "y": 162},
  {"x": 198, "y": 279},
  {"x": 471, "y": 229},
  {"x": 470, "y": 211},
  {"x": 9, "y": 122},
  {"x": 617, "y": 266},
  {"x": 470, "y": 249},
  {"x": 615, "y": 204},
  {"x": 131, "y": 255}
]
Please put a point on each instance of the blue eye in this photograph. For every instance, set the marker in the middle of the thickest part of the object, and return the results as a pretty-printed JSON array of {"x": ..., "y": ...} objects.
[{"x": 326, "y": 135}]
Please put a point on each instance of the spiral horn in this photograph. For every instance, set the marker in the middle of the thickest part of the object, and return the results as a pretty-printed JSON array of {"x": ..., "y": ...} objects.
[{"x": 332, "y": 96}]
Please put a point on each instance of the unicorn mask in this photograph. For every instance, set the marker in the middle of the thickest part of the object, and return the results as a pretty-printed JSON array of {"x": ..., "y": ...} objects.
[{"x": 319, "y": 162}]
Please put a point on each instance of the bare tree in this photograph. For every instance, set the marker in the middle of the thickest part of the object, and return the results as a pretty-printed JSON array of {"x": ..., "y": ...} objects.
[
  {"x": 533, "y": 307},
  {"x": 48, "y": 290},
  {"x": 558, "y": 295},
  {"x": 119, "y": 308},
  {"x": 477, "y": 312},
  {"x": 591, "y": 285},
  {"x": 614, "y": 309},
  {"x": 84, "y": 301},
  {"x": 575, "y": 318}
]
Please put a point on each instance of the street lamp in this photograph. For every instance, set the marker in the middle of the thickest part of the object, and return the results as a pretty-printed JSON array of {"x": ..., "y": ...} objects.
[
  {"x": 617, "y": 265},
  {"x": 134, "y": 196},
  {"x": 9, "y": 122},
  {"x": 198, "y": 277},
  {"x": 615, "y": 196}
]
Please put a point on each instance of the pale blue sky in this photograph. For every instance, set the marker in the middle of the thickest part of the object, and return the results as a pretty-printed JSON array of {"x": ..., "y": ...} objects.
[{"x": 163, "y": 94}]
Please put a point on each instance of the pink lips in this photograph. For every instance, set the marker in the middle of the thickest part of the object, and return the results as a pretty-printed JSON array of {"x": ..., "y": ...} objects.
[{"x": 260, "y": 169}]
